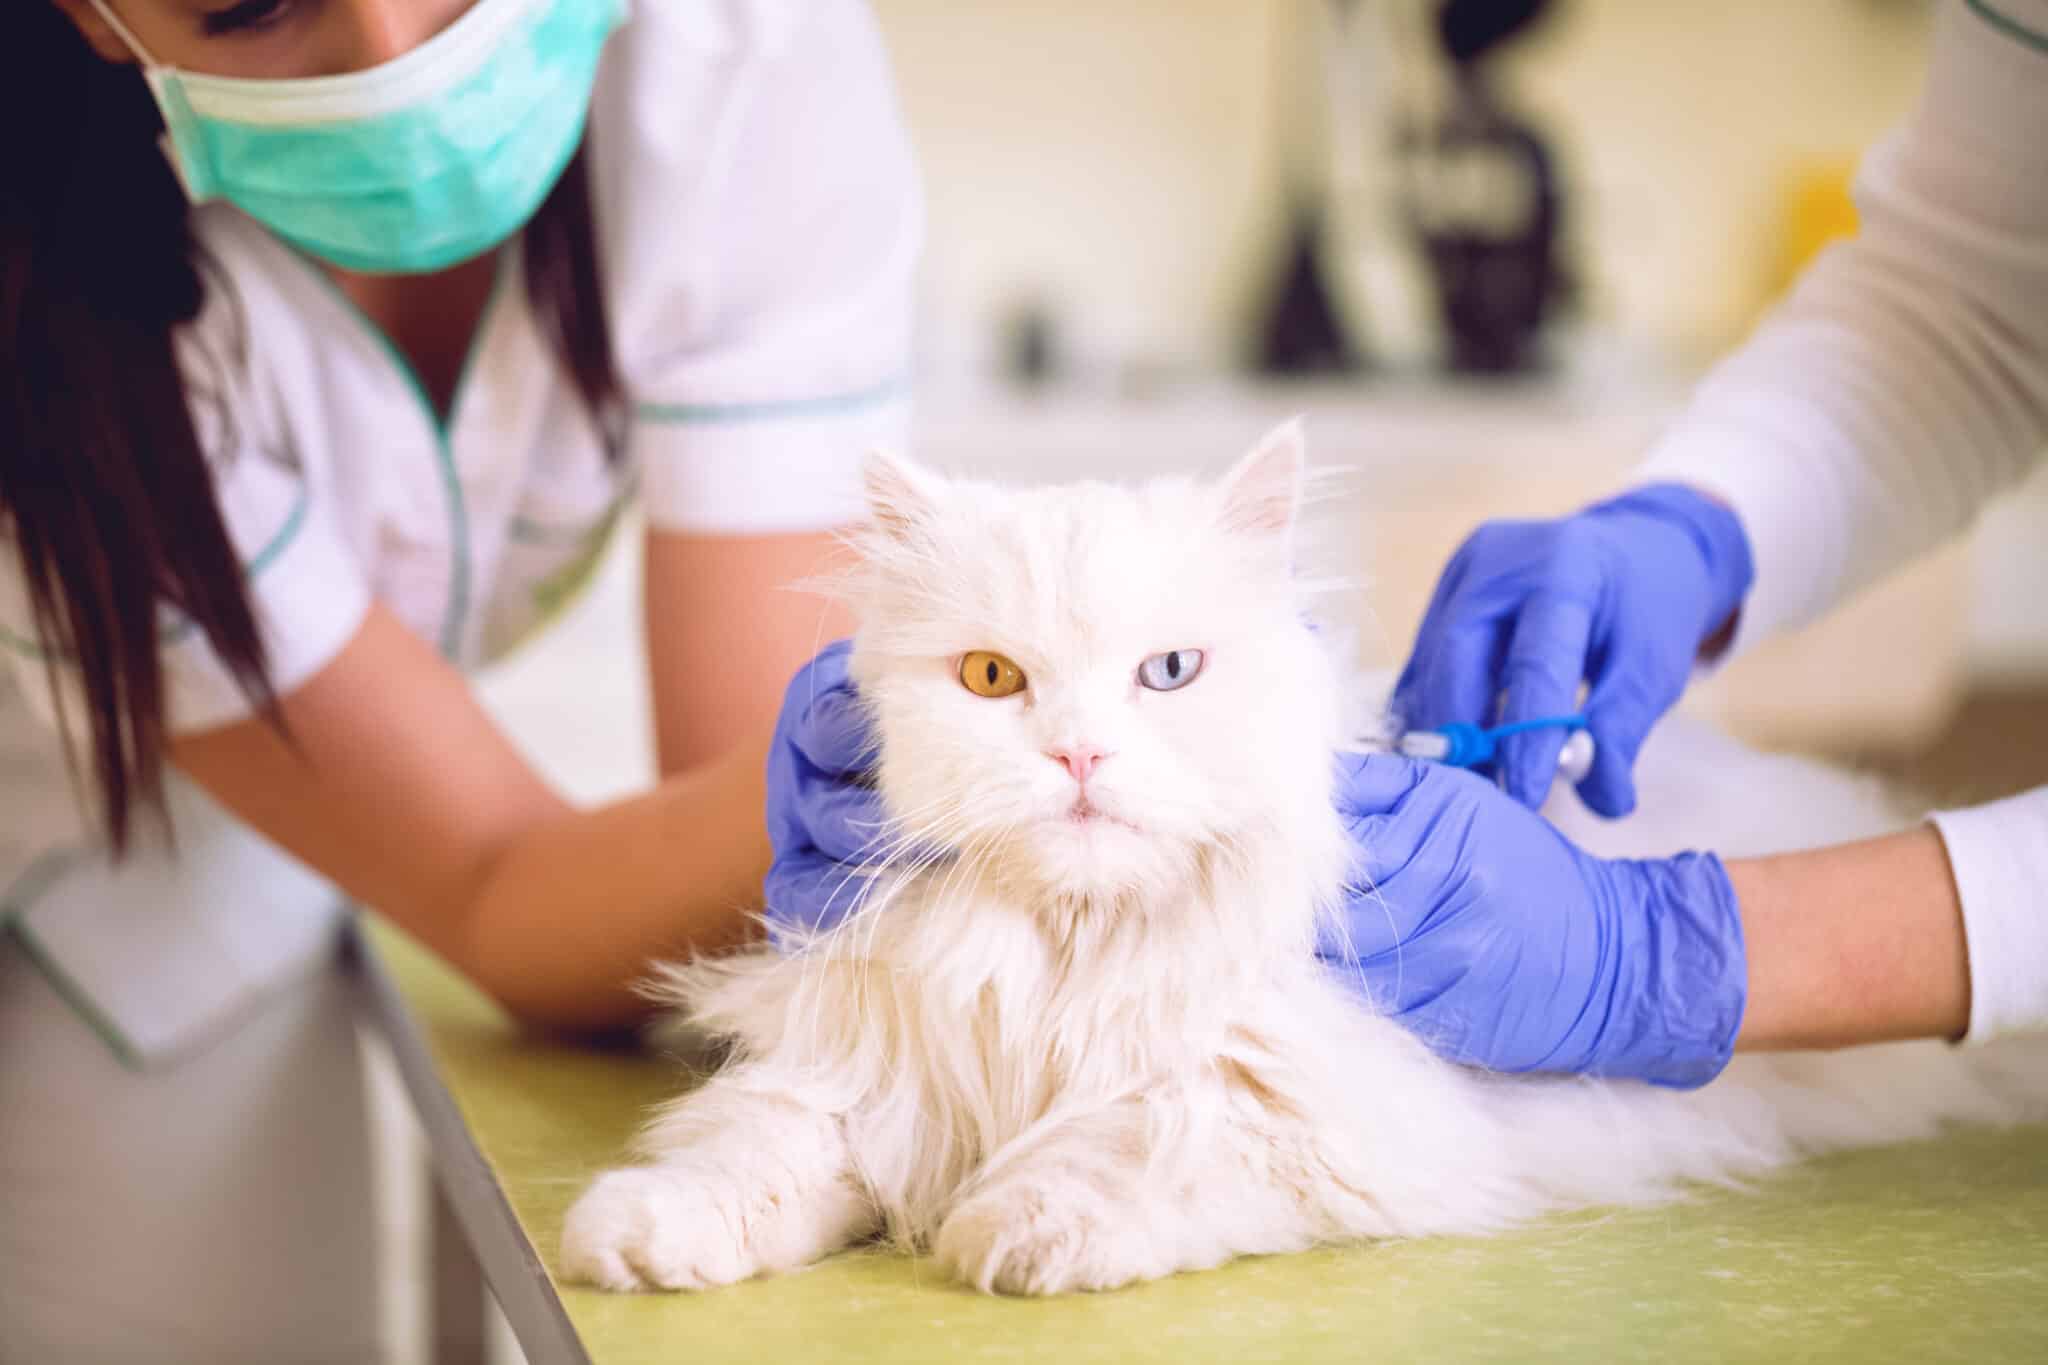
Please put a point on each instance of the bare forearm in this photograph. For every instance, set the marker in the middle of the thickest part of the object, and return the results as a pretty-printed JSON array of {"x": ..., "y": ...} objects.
[
  {"x": 395, "y": 784},
  {"x": 1859, "y": 943},
  {"x": 569, "y": 916}
]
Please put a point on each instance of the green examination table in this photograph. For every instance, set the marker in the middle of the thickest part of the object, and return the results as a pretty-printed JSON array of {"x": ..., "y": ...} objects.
[{"x": 1929, "y": 1252}]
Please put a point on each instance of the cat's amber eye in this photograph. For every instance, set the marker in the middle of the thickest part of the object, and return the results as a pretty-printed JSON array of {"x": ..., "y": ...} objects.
[
  {"x": 990, "y": 675},
  {"x": 1171, "y": 671}
]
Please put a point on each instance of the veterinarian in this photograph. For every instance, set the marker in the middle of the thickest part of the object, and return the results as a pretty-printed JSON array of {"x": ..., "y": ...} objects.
[
  {"x": 1901, "y": 387},
  {"x": 329, "y": 398}
]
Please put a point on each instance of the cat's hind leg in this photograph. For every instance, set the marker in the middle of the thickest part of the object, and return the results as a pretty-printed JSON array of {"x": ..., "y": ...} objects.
[{"x": 742, "y": 1182}]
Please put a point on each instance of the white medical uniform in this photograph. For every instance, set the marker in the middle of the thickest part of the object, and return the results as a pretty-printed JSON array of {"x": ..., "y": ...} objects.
[
  {"x": 1901, "y": 387},
  {"x": 181, "y": 1166}
]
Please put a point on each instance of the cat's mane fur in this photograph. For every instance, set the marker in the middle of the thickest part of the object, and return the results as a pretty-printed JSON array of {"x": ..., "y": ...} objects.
[{"x": 1068, "y": 1058}]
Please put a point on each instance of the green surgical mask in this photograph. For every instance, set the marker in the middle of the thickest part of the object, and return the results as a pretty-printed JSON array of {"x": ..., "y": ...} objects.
[{"x": 411, "y": 166}]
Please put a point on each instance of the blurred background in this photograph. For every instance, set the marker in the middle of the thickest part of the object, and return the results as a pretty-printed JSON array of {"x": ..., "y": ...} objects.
[
  {"x": 1486, "y": 248},
  {"x": 1485, "y": 245},
  {"x": 1133, "y": 173}
]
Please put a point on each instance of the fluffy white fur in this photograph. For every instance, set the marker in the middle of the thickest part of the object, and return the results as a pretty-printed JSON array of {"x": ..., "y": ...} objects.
[{"x": 1088, "y": 1051}]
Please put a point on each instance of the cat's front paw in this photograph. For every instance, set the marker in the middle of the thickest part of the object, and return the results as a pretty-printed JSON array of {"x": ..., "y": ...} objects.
[
  {"x": 652, "y": 1228},
  {"x": 1027, "y": 1238}
]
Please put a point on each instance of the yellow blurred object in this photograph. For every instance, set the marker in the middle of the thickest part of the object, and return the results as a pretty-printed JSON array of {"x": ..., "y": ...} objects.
[{"x": 1818, "y": 210}]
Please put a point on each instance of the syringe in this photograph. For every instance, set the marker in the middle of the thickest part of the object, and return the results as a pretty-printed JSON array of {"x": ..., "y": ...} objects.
[{"x": 1467, "y": 746}]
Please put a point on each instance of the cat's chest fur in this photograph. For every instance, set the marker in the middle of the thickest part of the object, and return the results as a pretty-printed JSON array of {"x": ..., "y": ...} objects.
[
  {"x": 963, "y": 1021},
  {"x": 1086, "y": 1009}
]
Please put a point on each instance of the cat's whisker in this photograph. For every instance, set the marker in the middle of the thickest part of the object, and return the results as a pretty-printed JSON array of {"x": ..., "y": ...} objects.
[
  {"x": 822, "y": 950},
  {"x": 968, "y": 862},
  {"x": 865, "y": 868},
  {"x": 864, "y": 962},
  {"x": 894, "y": 822},
  {"x": 926, "y": 843},
  {"x": 1340, "y": 926},
  {"x": 898, "y": 826}
]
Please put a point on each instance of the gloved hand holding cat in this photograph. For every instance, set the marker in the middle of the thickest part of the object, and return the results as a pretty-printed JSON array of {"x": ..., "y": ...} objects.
[{"x": 1471, "y": 919}]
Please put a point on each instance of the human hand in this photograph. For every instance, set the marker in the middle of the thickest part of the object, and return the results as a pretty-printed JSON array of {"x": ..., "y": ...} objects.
[
  {"x": 823, "y": 819},
  {"x": 1500, "y": 943},
  {"x": 1621, "y": 596}
]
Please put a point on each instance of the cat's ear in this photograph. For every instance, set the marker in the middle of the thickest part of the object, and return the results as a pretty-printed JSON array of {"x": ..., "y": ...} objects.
[
  {"x": 1262, "y": 491},
  {"x": 901, "y": 496}
]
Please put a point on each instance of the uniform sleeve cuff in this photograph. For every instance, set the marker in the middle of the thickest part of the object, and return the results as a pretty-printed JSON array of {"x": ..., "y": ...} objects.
[
  {"x": 760, "y": 468},
  {"x": 1999, "y": 856}
]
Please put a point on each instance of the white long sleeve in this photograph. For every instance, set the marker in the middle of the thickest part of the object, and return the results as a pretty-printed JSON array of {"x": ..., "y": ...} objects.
[
  {"x": 1999, "y": 854},
  {"x": 1902, "y": 386}
]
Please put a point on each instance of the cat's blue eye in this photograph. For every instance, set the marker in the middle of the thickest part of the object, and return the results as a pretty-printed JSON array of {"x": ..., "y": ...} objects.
[{"x": 1174, "y": 669}]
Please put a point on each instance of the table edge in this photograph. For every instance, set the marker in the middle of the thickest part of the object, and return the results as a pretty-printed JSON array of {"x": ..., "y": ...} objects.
[{"x": 511, "y": 1264}]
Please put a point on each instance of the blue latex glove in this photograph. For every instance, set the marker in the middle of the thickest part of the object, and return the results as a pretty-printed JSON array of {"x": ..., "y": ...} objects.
[
  {"x": 1620, "y": 596},
  {"x": 1500, "y": 943},
  {"x": 823, "y": 820}
]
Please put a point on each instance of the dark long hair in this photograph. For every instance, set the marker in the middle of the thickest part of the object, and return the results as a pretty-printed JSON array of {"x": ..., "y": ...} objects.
[{"x": 104, "y": 489}]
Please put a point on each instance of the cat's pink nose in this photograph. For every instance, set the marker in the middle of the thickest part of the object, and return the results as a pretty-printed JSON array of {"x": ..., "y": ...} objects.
[{"x": 1077, "y": 760}]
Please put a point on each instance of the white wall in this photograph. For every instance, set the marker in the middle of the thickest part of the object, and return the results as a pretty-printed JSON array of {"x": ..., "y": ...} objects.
[
  {"x": 1116, "y": 160},
  {"x": 1683, "y": 121}
]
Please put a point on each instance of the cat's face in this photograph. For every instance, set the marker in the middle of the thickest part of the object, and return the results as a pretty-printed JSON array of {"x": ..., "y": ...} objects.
[{"x": 1087, "y": 686}]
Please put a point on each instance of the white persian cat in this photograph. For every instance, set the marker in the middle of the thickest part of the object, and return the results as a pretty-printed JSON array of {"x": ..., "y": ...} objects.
[{"x": 1096, "y": 1046}]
